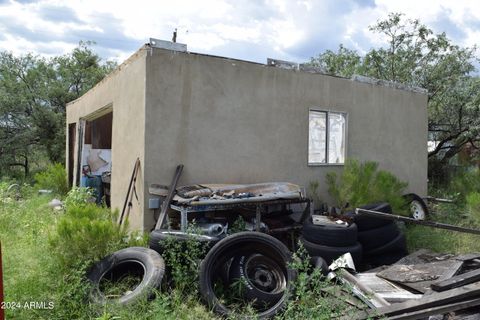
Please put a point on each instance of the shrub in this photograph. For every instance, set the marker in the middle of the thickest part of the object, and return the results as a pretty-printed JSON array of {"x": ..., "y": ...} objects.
[
  {"x": 464, "y": 183},
  {"x": 53, "y": 178},
  {"x": 311, "y": 297},
  {"x": 78, "y": 197},
  {"x": 363, "y": 183},
  {"x": 473, "y": 206},
  {"x": 88, "y": 233},
  {"x": 183, "y": 260}
]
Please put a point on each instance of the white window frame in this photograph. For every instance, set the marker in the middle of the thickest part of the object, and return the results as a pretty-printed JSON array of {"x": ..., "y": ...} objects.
[{"x": 327, "y": 137}]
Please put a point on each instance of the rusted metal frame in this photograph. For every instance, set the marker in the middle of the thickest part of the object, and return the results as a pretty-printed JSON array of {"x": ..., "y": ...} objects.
[
  {"x": 388, "y": 216},
  {"x": 184, "y": 210}
]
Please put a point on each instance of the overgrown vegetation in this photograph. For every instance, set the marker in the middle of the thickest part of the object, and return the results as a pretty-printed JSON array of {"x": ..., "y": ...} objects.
[
  {"x": 34, "y": 92},
  {"x": 47, "y": 254},
  {"x": 464, "y": 190},
  {"x": 314, "y": 297},
  {"x": 362, "y": 183},
  {"x": 53, "y": 178}
]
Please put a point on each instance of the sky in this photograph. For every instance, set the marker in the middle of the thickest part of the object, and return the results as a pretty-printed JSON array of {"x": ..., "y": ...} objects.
[{"x": 243, "y": 29}]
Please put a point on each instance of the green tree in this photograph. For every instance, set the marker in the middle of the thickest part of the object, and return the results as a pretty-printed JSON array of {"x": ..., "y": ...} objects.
[
  {"x": 34, "y": 92},
  {"x": 415, "y": 56}
]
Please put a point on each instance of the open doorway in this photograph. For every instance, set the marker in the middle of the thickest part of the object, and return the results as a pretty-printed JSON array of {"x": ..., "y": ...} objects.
[{"x": 96, "y": 156}]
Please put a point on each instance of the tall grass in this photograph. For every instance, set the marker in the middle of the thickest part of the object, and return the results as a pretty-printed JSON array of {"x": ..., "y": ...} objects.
[{"x": 47, "y": 254}]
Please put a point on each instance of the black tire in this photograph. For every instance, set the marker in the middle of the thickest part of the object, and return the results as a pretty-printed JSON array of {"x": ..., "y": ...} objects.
[
  {"x": 384, "y": 259},
  {"x": 365, "y": 222},
  {"x": 225, "y": 249},
  {"x": 320, "y": 263},
  {"x": 264, "y": 280},
  {"x": 140, "y": 262},
  {"x": 157, "y": 237},
  {"x": 375, "y": 238},
  {"x": 328, "y": 235},
  {"x": 398, "y": 244},
  {"x": 331, "y": 253},
  {"x": 417, "y": 208}
]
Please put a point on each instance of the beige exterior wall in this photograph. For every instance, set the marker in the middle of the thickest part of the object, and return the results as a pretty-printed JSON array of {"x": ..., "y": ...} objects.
[
  {"x": 231, "y": 121},
  {"x": 124, "y": 92}
]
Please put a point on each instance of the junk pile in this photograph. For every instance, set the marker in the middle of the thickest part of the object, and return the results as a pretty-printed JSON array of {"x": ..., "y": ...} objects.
[{"x": 249, "y": 266}]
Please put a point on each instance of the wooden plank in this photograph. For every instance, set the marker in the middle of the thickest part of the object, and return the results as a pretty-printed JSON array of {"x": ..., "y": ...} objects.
[
  {"x": 420, "y": 276},
  {"x": 434, "y": 300},
  {"x": 168, "y": 199},
  {"x": 457, "y": 281},
  {"x": 468, "y": 256},
  {"x": 437, "y": 310},
  {"x": 426, "y": 223}
]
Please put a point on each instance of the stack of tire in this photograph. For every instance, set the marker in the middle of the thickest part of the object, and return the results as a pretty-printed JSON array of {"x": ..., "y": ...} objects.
[
  {"x": 330, "y": 241},
  {"x": 382, "y": 241}
]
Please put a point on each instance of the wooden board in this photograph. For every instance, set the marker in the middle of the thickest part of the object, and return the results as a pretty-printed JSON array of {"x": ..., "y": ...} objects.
[
  {"x": 437, "y": 310},
  {"x": 464, "y": 293},
  {"x": 420, "y": 276},
  {"x": 457, "y": 281}
]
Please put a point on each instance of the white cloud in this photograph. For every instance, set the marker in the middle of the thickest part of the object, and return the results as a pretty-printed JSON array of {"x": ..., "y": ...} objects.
[{"x": 246, "y": 29}]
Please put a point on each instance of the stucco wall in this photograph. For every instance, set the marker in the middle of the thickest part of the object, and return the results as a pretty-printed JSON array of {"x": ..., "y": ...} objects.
[
  {"x": 230, "y": 121},
  {"x": 124, "y": 92}
]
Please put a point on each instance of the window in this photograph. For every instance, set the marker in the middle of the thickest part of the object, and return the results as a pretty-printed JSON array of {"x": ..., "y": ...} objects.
[{"x": 326, "y": 137}]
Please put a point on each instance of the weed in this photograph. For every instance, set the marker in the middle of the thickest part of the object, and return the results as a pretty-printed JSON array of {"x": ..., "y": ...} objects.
[
  {"x": 78, "y": 197},
  {"x": 53, "y": 178},
  {"x": 362, "y": 183},
  {"x": 183, "y": 260}
]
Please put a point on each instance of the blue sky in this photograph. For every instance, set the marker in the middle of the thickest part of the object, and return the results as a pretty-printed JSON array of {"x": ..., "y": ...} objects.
[{"x": 249, "y": 30}]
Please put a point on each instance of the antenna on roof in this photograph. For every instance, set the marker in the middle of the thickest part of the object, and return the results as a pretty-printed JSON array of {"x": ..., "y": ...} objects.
[{"x": 174, "y": 37}]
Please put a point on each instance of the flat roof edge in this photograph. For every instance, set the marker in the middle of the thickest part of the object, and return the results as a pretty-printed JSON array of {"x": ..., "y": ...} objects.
[
  {"x": 386, "y": 83},
  {"x": 133, "y": 57}
]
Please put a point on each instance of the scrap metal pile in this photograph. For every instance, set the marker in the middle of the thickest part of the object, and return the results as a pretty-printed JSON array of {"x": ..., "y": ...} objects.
[{"x": 250, "y": 268}]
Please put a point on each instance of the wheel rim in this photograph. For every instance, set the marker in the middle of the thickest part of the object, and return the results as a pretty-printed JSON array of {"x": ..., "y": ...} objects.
[
  {"x": 417, "y": 211},
  {"x": 265, "y": 274}
]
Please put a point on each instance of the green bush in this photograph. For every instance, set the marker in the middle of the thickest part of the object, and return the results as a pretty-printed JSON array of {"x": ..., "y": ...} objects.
[
  {"x": 88, "y": 233},
  {"x": 464, "y": 183},
  {"x": 313, "y": 296},
  {"x": 363, "y": 183},
  {"x": 473, "y": 206},
  {"x": 183, "y": 260},
  {"x": 53, "y": 178},
  {"x": 78, "y": 197}
]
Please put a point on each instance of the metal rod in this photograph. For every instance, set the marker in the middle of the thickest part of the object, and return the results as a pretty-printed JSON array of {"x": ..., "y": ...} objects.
[{"x": 432, "y": 224}]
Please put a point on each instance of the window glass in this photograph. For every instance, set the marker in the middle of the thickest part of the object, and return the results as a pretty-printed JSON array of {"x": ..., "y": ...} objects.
[
  {"x": 336, "y": 137},
  {"x": 317, "y": 137}
]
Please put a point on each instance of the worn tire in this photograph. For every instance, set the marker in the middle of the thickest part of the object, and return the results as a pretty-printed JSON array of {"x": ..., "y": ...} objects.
[
  {"x": 328, "y": 235},
  {"x": 140, "y": 261},
  {"x": 320, "y": 263},
  {"x": 384, "y": 259},
  {"x": 375, "y": 238},
  {"x": 331, "y": 253},
  {"x": 398, "y": 244},
  {"x": 264, "y": 285},
  {"x": 420, "y": 210},
  {"x": 160, "y": 235},
  {"x": 225, "y": 249},
  {"x": 365, "y": 222}
]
